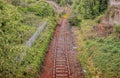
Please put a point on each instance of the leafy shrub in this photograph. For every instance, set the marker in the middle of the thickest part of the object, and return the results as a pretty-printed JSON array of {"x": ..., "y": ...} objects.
[
  {"x": 20, "y": 61},
  {"x": 63, "y": 2},
  {"x": 16, "y": 27},
  {"x": 9, "y": 23},
  {"x": 98, "y": 19},
  {"x": 99, "y": 56},
  {"x": 42, "y": 9},
  {"x": 75, "y": 21},
  {"x": 31, "y": 1},
  {"x": 90, "y": 9},
  {"x": 29, "y": 20},
  {"x": 22, "y": 10},
  {"x": 118, "y": 28},
  {"x": 16, "y": 2}
]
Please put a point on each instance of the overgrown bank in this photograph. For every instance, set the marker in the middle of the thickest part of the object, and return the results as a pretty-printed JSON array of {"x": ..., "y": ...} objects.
[
  {"x": 99, "y": 55},
  {"x": 17, "y": 25}
]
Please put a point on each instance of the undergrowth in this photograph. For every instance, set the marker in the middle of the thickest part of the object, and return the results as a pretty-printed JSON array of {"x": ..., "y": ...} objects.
[
  {"x": 99, "y": 55},
  {"x": 17, "y": 25}
]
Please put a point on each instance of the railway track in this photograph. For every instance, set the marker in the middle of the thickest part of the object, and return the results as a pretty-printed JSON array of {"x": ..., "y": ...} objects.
[{"x": 61, "y": 60}]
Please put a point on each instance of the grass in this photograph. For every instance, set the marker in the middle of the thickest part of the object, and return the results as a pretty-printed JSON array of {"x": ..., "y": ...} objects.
[
  {"x": 118, "y": 28},
  {"x": 99, "y": 55},
  {"x": 24, "y": 62},
  {"x": 17, "y": 25}
]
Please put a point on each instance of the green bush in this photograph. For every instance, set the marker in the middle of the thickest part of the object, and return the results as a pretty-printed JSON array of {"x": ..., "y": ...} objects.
[
  {"x": 31, "y": 1},
  {"x": 90, "y": 9},
  {"x": 20, "y": 61},
  {"x": 42, "y": 9},
  {"x": 98, "y": 19},
  {"x": 99, "y": 56},
  {"x": 75, "y": 21},
  {"x": 22, "y": 10},
  {"x": 118, "y": 28},
  {"x": 104, "y": 54},
  {"x": 63, "y": 2},
  {"x": 18, "y": 2},
  {"x": 17, "y": 25}
]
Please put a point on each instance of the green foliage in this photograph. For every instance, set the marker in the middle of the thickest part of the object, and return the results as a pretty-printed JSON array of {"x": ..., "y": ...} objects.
[
  {"x": 22, "y": 3},
  {"x": 118, "y": 28},
  {"x": 75, "y": 21},
  {"x": 8, "y": 22},
  {"x": 112, "y": 14},
  {"x": 22, "y": 10},
  {"x": 25, "y": 62},
  {"x": 107, "y": 59},
  {"x": 17, "y": 25},
  {"x": 99, "y": 56},
  {"x": 90, "y": 8},
  {"x": 41, "y": 9},
  {"x": 99, "y": 18},
  {"x": 63, "y": 2},
  {"x": 29, "y": 19},
  {"x": 31, "y": 1}
]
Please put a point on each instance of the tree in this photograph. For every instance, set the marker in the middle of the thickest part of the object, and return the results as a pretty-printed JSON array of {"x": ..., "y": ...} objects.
[{"x": 90, "y": 8}]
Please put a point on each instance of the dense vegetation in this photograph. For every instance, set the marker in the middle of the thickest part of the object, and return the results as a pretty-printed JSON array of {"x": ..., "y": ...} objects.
[
  {"x": 19, "y": 19},
  {"x": 99, "y": 55},
  {"x": 87, "y": 9},
  {"x": 90, "y": 8},
  {"x": 63, "y": 2}
]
